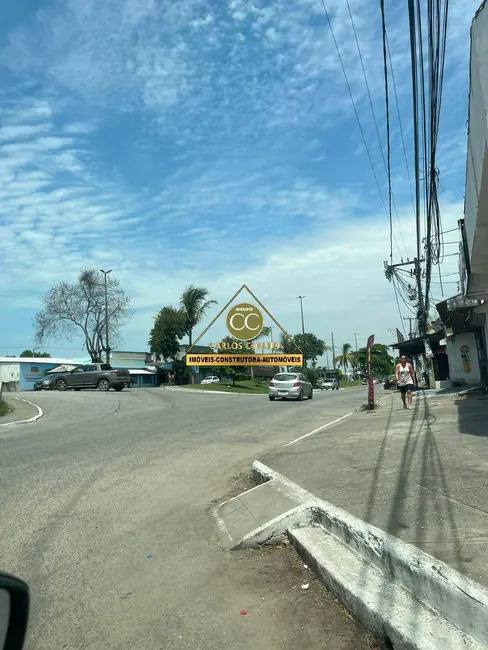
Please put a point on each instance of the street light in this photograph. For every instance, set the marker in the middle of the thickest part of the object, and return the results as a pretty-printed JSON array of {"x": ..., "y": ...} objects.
[
  {"x": 300, "y": 298},
  {"x": 107, "y": 344}
]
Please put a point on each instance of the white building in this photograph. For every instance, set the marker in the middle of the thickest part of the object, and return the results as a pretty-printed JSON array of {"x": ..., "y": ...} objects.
[{"x": 474, "y": 226}]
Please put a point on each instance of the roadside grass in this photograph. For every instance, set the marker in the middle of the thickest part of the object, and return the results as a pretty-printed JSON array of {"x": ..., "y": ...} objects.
[
  {"x": 248, "y": 386},
  {"x": 351, "y": 384},
  {"x": 5, "y": 409}
]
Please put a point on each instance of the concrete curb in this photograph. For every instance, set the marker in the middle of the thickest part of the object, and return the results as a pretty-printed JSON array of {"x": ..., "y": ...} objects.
[
  {"x": 408, "y": 599},
  {"x": 39, "y": 415}
]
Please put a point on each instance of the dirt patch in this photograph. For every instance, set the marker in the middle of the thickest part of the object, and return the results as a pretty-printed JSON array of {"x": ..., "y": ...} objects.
[
  {"x": 271, "y": 581},
  {"x": 239, "y": 484}
]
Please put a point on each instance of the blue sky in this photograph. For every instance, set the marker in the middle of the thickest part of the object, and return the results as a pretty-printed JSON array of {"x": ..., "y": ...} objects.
[{"x": 211, "y": 143}]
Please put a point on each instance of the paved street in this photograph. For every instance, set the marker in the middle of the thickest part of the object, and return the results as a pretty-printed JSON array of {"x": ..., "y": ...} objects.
[
  {"x": 105, "y": 512},
  {"x": 419, "y": 475}
]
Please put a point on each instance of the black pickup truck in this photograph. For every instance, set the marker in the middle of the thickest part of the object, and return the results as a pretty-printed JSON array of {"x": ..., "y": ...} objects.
[{"x": 93, "y": 375}]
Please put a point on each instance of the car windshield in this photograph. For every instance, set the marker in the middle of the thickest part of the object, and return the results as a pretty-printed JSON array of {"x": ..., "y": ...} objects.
[{"x": 285, "y": 377}]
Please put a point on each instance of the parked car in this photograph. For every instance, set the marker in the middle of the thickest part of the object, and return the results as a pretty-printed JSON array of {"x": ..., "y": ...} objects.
[
  {"x": 328, "y": 384},
  {"x": 292, "y": 385},
  {"x": 211, "y": 380},
  {"x": 95, "y": 375},
  {"x": 390, "y": 383}
]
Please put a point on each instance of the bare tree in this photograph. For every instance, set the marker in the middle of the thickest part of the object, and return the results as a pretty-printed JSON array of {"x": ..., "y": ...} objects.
[{"x": 79, "y": 309}]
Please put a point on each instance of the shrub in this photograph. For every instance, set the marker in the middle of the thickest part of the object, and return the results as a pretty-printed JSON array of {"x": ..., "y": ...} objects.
[
  {"x": 4, "y": 408},
  {"x": 312, "y": 375}
]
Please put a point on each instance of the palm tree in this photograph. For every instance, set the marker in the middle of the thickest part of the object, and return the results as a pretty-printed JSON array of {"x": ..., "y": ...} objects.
[
  {"x": 345, "y": 359},
  {"x": 194, "y": 305}
]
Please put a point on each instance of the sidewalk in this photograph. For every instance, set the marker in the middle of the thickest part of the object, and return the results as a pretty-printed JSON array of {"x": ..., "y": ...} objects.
[
  {"x": 420, "y": 475},
  {"x": 22, "y": 410}
]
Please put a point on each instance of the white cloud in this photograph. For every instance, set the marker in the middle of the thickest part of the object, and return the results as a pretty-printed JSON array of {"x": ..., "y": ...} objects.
[{"x": 242, "y": 110}]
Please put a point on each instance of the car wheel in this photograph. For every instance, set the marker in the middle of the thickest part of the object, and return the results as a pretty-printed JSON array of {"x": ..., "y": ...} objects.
[
  {"x": 271, "y": 398},
  {"x": 77, "y": 389},
  {"x": 104, "y": 385},
  {"x": 119, "y": 388},
  {"x": 311, "y": 394},
  {"x": 300, "y": 396},
  {"x": 62, "y": 385}
]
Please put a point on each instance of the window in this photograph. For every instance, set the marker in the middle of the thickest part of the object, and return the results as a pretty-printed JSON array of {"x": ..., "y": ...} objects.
[
  {"x": 147, "y": 379},
  {"x": 285, "y": 377},
  {"x": 90, "y": 368},
  {"x": 34, "y": 369}
]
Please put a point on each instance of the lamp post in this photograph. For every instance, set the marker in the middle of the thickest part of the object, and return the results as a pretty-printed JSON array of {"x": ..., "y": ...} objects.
[
  {"x": 300, "y": 298},
  {"x": 107, "y": 344}
]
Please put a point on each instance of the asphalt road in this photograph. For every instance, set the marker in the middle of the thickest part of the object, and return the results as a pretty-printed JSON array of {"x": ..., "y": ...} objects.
[{"x": 105, "y": 512}]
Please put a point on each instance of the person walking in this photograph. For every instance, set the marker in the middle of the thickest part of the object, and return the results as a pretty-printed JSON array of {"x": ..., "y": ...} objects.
[{"x": 405, "y": 378}]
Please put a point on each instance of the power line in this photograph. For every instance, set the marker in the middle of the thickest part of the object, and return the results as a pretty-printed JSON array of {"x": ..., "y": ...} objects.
[
  {"x": 387, "y": 110},
  {"x": 387, "y": 166},
  {"x": 355, "y": 108},
  {"x": 400, "y": 121}
]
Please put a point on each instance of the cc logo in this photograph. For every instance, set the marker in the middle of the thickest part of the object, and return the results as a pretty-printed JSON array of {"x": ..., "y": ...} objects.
[{"x": 245, "y": 322}]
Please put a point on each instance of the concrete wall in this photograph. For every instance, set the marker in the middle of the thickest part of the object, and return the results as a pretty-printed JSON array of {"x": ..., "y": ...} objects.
[
  {"x": 463, "y": 366},
  {"x": 9, "y": 376},
  {"x": 476, "y": 202},
  {"x": 31, "y": 371}
]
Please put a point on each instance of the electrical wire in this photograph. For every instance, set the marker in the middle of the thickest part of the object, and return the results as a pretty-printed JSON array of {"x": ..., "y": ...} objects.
[
  {"x": 400, "y": 121},
  {"x": 373, "y": 112},
  {"x": 387, "y": 111},
  {"x": 329, "y": 22}
]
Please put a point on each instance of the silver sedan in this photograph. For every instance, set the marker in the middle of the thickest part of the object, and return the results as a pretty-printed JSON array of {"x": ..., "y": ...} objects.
[{"x": 292, "y": 385}]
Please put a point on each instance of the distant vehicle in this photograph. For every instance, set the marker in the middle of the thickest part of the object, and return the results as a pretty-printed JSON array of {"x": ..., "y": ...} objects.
[
  {"x": 211, "y": 380},
  {"x": 328, "y": 384},
  {"x": 95, "y": 375},
  {"x": 390, "y": 383},
  {"x": 364, "y": 380},
  {"x": 292, "y": 385}
]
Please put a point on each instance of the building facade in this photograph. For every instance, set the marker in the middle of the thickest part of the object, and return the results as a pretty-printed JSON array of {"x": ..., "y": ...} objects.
[{"x": 24, "y": 371}]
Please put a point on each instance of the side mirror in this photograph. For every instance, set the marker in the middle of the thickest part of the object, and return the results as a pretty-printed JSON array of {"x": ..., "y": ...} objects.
[{"x": 14, "y": 612}]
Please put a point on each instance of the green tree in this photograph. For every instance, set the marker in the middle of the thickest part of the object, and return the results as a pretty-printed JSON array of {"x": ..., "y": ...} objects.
[
  {"x": 35, "y": 355},
  {"x": 79, "y": 309},
  {"x": 382, "y": 363},
  {"x": 265, "y": 332},
  {"x": 194, "y": 305},
  {"x": 234, "y": 372},
  {"x": 168, "y": 329},
  {"x": 311, "y": 346},
  {"x": 345, "y": 358}
]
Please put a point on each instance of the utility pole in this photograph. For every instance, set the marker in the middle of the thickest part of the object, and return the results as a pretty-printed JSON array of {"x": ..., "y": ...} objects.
[
  {"x": 107, "y": 343},
  {"x": 356, "y": 339},
  {"x": 271, "y": 328},
  {"x": 300, "y": 298},
  {"x": 333, "y": 351},
  {"x": 410, "y": 319}
]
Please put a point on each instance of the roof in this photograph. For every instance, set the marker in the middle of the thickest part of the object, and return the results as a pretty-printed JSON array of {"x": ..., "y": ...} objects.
[
  {"x": 36, "y": 360},
  {"x": 196, "y": 348},
  {"x": 141, "y": 371}
]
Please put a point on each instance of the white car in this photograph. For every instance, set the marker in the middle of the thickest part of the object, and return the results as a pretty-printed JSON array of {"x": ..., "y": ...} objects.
[
  {"x": 289, "y": 384},
  {"x": 329, "y": 384},
  {"x": 211, "y": 380}
]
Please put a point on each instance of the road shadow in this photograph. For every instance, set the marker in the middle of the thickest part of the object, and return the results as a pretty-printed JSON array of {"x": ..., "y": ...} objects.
[
  {"x": 421, "y": 476},
  {"x": 473, "y": 414}
]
